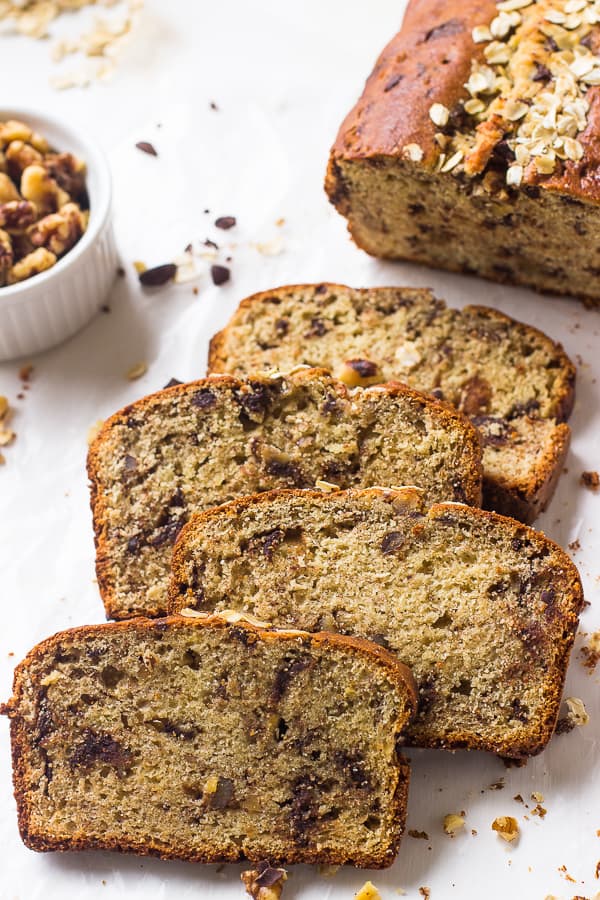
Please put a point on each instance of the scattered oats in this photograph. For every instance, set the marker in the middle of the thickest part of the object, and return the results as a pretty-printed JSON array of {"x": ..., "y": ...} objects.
[
  {"x": 506, "y": 827},
  {"x": 327, "y": 486},
  {"x": 94, "y": 431},
  {"x": 481, "y": 81},
  {"x": 412, "y": 152},
  {"x": 481, "y": 33},
  {"x": 474, "y": 106},
  {"x": 515, "y": 110},
  {"x": 137, "y": 371},
  {"x": 270, "y": 248},
  {"x": 577, "y": 713},
  {"x": 368, "y": 892},
  {"x": 514, "y": 175},
  {"x": 453, "y": 824},
  {"x": 509, "y": 5},
  {"x": 556, "y": 16},
  {"x": 139, "y": 266},
  {"x": 545, "y": 164},
  {"x": 452, "y": 162},
  {"x": 497, "y": 53},
  {"x": 439, "y": 114}
]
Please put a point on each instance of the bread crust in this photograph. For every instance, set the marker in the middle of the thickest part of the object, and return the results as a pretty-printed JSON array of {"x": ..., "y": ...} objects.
[
  {"x": 45, "y": 841},
  {"x": 530, "y": 741},
  {"x": 448, "y": 417},
  {"x": 524, "y": 498}
]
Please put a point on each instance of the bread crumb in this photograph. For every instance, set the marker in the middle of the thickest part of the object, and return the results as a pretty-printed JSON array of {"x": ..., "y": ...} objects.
[
  {"x": 590, "y": 480},
  {"x": 137, "y": 371},
  {"x": 506, "y": 827},
  {"x": 575, "y": 545},
  {"x": 577, "y": 713},
  {"x": 425, "y": 892},
  {"x": 453, "y": 824},
  {"x": 539, "y": 798},
  {"x": 368, "y": 892},
  {"x": 418, "y": 835},
  {"x": 565, "y": 874},
  {"x": 591, "y": 652}
]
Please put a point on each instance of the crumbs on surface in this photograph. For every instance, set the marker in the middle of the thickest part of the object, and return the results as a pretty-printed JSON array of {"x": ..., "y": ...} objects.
[
  {"x": 506, "y": 827},
  {"x": 590, "y": 480}
]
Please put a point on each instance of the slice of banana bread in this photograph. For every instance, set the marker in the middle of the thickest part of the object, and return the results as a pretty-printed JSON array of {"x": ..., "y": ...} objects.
[
  {"x": 474, "y": 146},
  {"x": 206, "y": 741},
  {"x": 197, "y": 445},
  {"x": 483, "y": 609},
  {"x": 515, "y": 384}
]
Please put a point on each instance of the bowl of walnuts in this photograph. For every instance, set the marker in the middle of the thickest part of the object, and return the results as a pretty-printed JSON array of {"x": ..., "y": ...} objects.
[{"x": 57, "y": 250}]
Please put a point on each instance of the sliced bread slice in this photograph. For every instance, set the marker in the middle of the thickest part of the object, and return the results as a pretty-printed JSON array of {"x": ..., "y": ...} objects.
[
  {"x": 196, "y": 445},
  {"x": 482, "y": 608},
  {"x": 515, "y": 384},
  {"x": 208, "y": 741}
]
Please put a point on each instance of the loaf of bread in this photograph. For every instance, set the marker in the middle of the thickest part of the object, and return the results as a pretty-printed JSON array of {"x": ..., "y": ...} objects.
[
  {"x": 197, "y": 445},
  {"x": 516, "y": 385},
  {"x": 474, "y": 146},
  {"x": 481, "y": 608},
  {"x": 206, "y": 740}
]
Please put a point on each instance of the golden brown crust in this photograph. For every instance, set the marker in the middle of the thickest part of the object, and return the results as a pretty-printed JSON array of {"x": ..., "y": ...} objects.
[
  {"x": 531, "y": 740},
  {"x": 448, "y": 417},
  {"x": 20, "y": 740}
]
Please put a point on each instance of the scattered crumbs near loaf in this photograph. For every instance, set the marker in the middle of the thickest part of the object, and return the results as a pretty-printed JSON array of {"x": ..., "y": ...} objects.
[
  {"x": 264, "y": 882},
  {"x": 510, "y": 763},
  {"x": 280, "y": 222},
  {"x": 563, "y": 871},
  {"x": 105, "y": 308},
  {"x": 208, "y": 243},
  {"x": 26, "y": 371},
  {"x": 590, "y": 652},
  {"x": 94, "y": 431},
  {"x": 146, "y": 147},
  {"x": 120, "y": 272},
  {"x": 596, "y": 874},
  {"x": 213, "y": 106},
  {"x": 368, "y": 892},
  {"x": 226, "y": 222},
  {"x": 575, "y": 545},
  {"x": 195, "y": 290},
  {"x": 539, "y": 798},
  {"x": 157, "y": 275},
  {"x": 497, "y": 785},
  {"x": 474, "y": 832},
  {"x": 590, "y": 480},
  {"x": 425, "y": 892},
  {"x": 418, "y": 835},
  {"x": 2, "y": 459},
  {"x": 518, "y": 798},
  {"x": 539, "y": 810},
  {"x": 453, "y": 823},
  {"x": 136, "y": 371},
  {"x": 506, "y": 827},
  {"x": 220, "y": 275}
]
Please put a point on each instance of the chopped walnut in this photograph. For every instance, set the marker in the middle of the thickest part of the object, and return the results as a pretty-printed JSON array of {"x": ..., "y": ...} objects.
[
  {"x": 17, "y": 215},
  {"x": 19, "y": 155},
  {"x": 506, "y": 827},
  {"x": 264, "y": 882},
  {"x": 32, "y": 264},
  {"x": 59, "y": 231},
  {"x": 38, "y": 186},
  {"x": 8, "y": 190},
  {"x": 368, "y": 892},
  {"x": 6, "y": 257},
  {"x": 577, "y": 714},
  {"x": 590, "y": 480},
  {"x": 453, "y": 823}
]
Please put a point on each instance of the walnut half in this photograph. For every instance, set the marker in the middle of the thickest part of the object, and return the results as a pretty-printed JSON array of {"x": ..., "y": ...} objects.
[{"x": 264, "y": 882}]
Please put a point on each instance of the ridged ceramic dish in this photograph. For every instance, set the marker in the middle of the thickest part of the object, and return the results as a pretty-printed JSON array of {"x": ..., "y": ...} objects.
[{"x": 45, "y": 309}]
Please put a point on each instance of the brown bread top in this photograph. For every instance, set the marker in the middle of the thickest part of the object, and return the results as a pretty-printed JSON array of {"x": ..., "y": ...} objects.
[
  {"x": 196, "y": 445},
  {"x": 483, "y": 609},
  {"x": 430, "y": 61},
  {"x": 211, "y": 740}
]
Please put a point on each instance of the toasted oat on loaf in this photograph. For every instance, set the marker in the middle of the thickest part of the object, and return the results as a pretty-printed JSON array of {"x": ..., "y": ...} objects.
[
  {"x": 474, "y": 144},
  {"x": 207, "y": 741},
  {"x": 516, "y": 385},
  {"x": 197, "y": 445},
  {"x": 482, "y": 608}
]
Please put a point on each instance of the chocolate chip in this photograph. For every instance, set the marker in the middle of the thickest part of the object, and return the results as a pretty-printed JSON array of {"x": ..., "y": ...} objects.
[
  {"x": 392, "y": 542},
  {"x": 548, "y": 596},
  {"x": 317, "y": 328},
  {"x": 304, "y": 812},
  {"x": 167, "y": 534},
  {"x": 103, "y": 748},
  {"x": 209, "y": 243},
  {"x": 158, "y": 276},
  {"x": 256, "y": 400},
  {"x": 542, "y": 72},
  {"x": 172, "y": 382},
  {"x": 476, "y": 396},
  {"x": 130, "y": 463},
  {"x": 289, "y": 471},
  {"x": 364, "y": 367},
  {"x": 146, "y": 147},
  {"x": 223, "y": 797},
  {"x": 134, "y": 544},
  {"x": 220, "y": 275},
  {"x": 393, "y": 81},
  {"x": 285, "y": 675},
  {"x": 528, "y": 408},
  {"x": 204, "y": 399},
  {"x": 110, "y": 676},
  {"x": 282, "y": 327},
  {"x": 268, "y": 876},
  {"x": 352, "y": 764},
  {"x": 427, "y": 695},
  {"x": 225, "y": 222},
  {"x": 446, "y": 29},
  {"x": 520, "y": 711},
  {"x": 495, "y": 431}
]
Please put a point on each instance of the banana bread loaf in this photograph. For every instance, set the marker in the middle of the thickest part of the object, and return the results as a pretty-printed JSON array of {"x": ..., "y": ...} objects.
[
  {"x": 197, "y": 445},
  {"x": 515, "y": 384},
  {"x": 483, "y": 609},
  {"x": 474, "y": 146},
  {"x": 206, "y": 741}
]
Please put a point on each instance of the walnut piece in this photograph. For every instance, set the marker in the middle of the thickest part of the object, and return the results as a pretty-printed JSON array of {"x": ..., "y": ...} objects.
[
  {"x": 32, "y": 264},
  {"x": 453, "y": 823},
  {"x": 368, "y": 892},
  {"x": 264, "y": 882},
  {"x": 506, "y": 827}
]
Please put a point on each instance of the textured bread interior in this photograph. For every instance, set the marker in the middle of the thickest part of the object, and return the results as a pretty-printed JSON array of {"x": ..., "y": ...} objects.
[
  {"x": 512, "y": 381},
  {"x": 193, "y": 447},
  {"x": 537, "y": 237},
  {"x": 210, "y": 742},
  {"x": 482, "y": 609}
]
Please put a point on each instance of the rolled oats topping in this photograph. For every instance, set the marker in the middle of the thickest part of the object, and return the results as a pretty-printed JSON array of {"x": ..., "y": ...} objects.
[
  {"x": 527, "y": 100},
  {"x": 43, "y": 203}
]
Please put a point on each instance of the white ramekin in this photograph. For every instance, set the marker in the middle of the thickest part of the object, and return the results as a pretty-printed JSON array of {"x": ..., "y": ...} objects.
[{"x": 48, "y": 308}]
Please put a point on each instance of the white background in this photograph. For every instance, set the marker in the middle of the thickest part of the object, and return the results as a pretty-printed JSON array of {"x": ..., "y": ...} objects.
[{"x": 283, "y": 76}]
